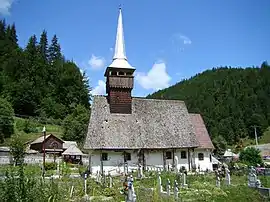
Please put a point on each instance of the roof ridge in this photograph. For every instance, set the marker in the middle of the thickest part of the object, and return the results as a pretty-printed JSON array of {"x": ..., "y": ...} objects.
[
  {"x": 160, "y": 100},
  {"x": 195, "y": 114}
]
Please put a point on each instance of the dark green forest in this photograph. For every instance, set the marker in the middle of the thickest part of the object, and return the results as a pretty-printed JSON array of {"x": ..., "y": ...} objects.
[
  {"x": 231, "y": 100},
  {"x": 38, "y": 81}
]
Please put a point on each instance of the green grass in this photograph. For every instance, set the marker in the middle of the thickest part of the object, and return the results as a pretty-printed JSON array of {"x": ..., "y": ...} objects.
[
  {"x": 266, "y": 137},
  {"x": 201, "y": 188},
  {"x": 29, "y": 130}
]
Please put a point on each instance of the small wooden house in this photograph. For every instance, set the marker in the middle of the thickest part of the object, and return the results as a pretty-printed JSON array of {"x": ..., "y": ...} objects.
[
  {"x": 53, "y": 144},
  {"x": 73, "y": 154}
]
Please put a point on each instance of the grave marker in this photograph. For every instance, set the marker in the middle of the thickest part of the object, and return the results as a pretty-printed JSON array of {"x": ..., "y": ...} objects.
[
  {"x": 86, "y": 197},
  {"x": 176, "y": 190},
  {"x": 252, "y": 177},
  {"x": 227, "y": 176},
  {"x": 160, "y": 189},
  {"x": 217, "y": 178},
  {"x": 267, "y": 171},
  {"x": 168, "y": 187},
  {"x": 176, "y": 163},
  {"x": 131, "y": 196},
  {"x": 184, "y": 179},
  {"x": 140, "y": 171},
  {"x": 110, "y": 181}
]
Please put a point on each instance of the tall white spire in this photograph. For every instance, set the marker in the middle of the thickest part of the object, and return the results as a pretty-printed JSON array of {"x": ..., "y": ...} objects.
[
  {"x": 120, "y": 58},
  {"x": 120, "y": 42}
]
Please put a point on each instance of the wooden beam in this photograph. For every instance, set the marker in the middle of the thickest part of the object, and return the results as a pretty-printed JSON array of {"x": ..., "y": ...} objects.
[
  {"x": 188, "y": 159},
  {"x": 143, "y": 160},
  {"x": 101, "y": 163},
  {"x": 164, "y": 159},
  {"x": 173, "y": 155},
  {"x": 89, "y": 162}
]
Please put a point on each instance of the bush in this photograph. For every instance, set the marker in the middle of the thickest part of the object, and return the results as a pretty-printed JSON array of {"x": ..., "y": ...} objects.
[
  {"x": 109, "y": 192},
  {"x": 6, "y": 119},
  {"x": 50, "y": 166},
  {"x": 29, "y": 126},
  {"x": 17, "y": 150},
  {"x": 251, "y": 156}
]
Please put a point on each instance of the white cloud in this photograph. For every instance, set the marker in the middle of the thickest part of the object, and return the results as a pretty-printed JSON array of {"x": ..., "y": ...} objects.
[
  {"x": 157, "y": 78},
  {"x": 185, "y": 39},
  {"x": 96, "y": 62},
  {"x": 182, "y": 39},
  {"x": 5, "y": 6},
  {"x": 100, "y": 89}
]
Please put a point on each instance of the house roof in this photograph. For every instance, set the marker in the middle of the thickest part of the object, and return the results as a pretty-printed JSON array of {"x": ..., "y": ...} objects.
[
  {"x": 229, "y": 153},
  {"x": 215, "y": 160},
  {"x": 153, "y": 124},
  {"x": 201, "y": 132},
  {"x": 261, "y": 147},
  {"x": 4, "y": 149},
  {"x": 67, "y": 144},
  {"x": 73, "y": 150},
  {"x": 41, "y": 139}
]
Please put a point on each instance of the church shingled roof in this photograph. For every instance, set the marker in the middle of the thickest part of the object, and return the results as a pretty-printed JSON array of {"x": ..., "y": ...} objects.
[
  {"x": 153, "y": 124},
  {"x": 201, "y": 132}
]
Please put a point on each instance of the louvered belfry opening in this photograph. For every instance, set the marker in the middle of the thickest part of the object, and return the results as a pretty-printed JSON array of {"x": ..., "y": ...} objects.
[{"x": 119, "y": 86}]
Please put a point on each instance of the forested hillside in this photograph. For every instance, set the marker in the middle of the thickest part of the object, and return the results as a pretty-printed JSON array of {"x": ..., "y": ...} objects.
[
  {"x": 231, "y": 101},
  {"x": 38, "y": 81}
]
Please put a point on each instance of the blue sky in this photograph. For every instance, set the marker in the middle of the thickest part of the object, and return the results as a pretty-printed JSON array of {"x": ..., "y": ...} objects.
[{"x": 166, "y": 41}]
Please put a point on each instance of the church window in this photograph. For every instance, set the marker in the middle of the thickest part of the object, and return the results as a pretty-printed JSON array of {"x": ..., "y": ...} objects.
[
  {"x": 104, "y": 156},
  {"x": 128, "y": 73},
  {"x": 183, "y": 154},
  {"x": 54, "y": 145},
  {"x": 121, "y": 73},
  {"x": 127, "y": 156},
  {"x": 113, "y": 73},
  {"x": 168, "y": 155},
  {"x": 210, "y": 156},
  {"x": 200, "y": 156}
]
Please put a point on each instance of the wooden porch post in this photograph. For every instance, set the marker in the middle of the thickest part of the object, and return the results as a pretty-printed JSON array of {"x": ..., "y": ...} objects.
[
  {"x": 173, "y": 155},
  {"x": 143, "y": 160},
  {"x": 164, "y": 159},
  {"x": 101, "y": 163},
  {"x": 89, "y": 162},
  {"x": 188, "y": 159}
]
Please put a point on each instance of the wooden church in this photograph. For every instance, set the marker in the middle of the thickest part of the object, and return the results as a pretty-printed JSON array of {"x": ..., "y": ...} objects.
[{"x": 133, "y": 130}]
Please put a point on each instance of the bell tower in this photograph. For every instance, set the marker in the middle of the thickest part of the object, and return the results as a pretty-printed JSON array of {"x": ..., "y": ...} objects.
[{"x": 119, "y": 76}]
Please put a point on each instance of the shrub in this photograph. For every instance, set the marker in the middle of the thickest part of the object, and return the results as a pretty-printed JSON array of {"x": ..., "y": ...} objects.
[
  {"x": 50, "y": 166},
  {"x": 29, "y": 126},
  {"x": 17, "y": 150},
  {"x": 6, "y": 119},
  {"x": 109, "y": 192},
  {"x": 251, "y": 156}
]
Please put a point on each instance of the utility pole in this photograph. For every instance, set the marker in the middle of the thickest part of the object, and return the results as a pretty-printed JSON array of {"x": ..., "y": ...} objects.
[
  {"x": 43, "y": 145},
  {"x": 255, "y": 132}
]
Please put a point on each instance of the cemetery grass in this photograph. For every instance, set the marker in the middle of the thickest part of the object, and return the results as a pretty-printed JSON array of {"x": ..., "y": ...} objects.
[{"x": 200, "y": 187}]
